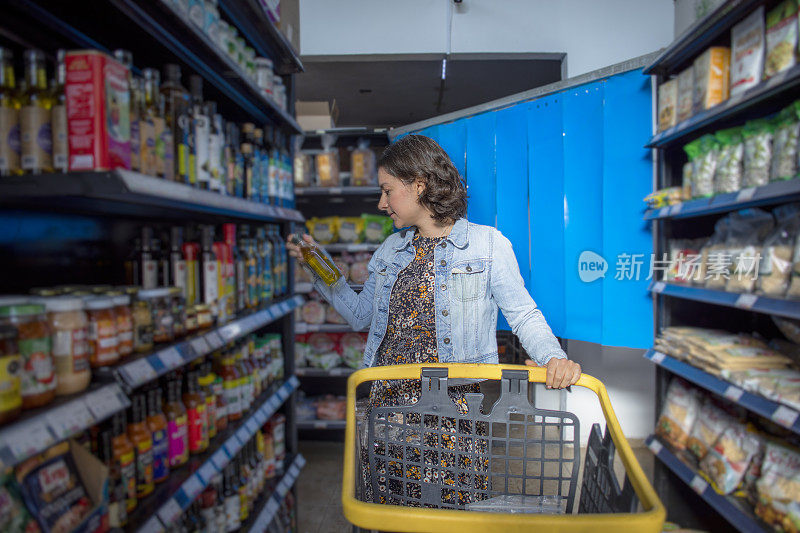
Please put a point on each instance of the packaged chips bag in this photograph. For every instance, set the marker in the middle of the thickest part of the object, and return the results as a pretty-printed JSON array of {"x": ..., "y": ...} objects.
[
  {"x": 327, "y": 162},
  {"x": 678, "y": 414},
  {"x": 727, "y": 461},
  {"x": 351, "y": 229},
  {"x": 747, "y": 54},
  {"x": 775, "y": 269},
  {"x": 728, "y": 175},
  {"x": 711, "y": 422},
  {"x": 757, "y": 152},
  {"x": 702, "y": 153},
  {"x": 784, "y": 143},
  {"x": 324, "y": 230},
  {"x": 362, "y": 164},
  {"x": 377, "y": 228},
  {"x": 778, "y": 488},
  {"x": 747, "y": 231},
  {"x": 781, "y": 37}
]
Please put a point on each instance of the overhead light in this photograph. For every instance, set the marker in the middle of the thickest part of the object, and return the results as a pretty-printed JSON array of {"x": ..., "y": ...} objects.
[{"x": 444, "y": 68}]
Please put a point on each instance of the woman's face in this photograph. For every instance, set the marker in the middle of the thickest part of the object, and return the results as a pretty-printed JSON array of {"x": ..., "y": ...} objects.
[{"x": 399, "y": 200}]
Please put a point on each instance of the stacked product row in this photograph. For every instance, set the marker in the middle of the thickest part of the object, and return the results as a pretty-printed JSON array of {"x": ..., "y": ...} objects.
[
  {"x": 351, "y": 230},
  {"x": 322, "y": 169},
  {"x": 96, "y": 115},
  {"x": 330, "y": 350}
]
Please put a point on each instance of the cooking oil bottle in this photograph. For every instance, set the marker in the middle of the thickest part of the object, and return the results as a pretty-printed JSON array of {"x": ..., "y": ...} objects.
[
  {"x": 9, "y": 116},
  {"x": 59, "y": 116},
  {"x": 36, "y": 133},
  {"x": 317, "y": 261}
]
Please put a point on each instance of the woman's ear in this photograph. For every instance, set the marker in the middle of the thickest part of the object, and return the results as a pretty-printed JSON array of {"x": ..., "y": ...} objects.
[{"x": 420, "y": 187}]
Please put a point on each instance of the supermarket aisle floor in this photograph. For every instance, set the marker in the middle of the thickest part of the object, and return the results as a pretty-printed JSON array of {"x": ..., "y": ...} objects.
[{"x": 319, "y": 486}]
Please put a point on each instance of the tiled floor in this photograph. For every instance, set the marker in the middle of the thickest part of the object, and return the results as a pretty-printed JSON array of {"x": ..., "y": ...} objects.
[{"x": 320, "y": 484}]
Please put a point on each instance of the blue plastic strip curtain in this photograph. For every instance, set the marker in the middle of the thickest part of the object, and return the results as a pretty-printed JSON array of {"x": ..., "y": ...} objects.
[{"x": 563, "y": 176}]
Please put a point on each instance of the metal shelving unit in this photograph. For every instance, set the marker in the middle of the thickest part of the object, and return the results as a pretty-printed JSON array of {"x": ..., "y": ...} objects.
[
  {"x": 339, "y": 191},
  {"x": 264, "y": 514},
  {"x": 746, "y": 301},
  {"x": 322, "y": 373}
]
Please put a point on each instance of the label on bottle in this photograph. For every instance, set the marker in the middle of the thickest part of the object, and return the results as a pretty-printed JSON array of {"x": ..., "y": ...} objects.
[
  {"x": 38, "y": 375},
  {"x": 144, "y": 467},
  {"x": 179, "y": 275},
  {"x": 143, "y": 335},
  {"x": 211, "y": 416},
  {"x": 60, "y": 138},
  {"x": 10, "y": 371},
  {"x": 273, "y": 179},
  {"x": 215, "y": 146},
  {"x": 233, "y": 398},
  {"x": 147, "y": 146},
  {"x": 232, "y": 512},
  {"x": 136, "y": 142},
  {"x": 127, "y": 477},
  {"x": 9, "y": 137},
  {"x": 70, "y": 351},
  {"x": 211, "y": 283},
  {"x": 149, "y": 274},
  {"x": 168, "y": 141},
  {"x": 198, "y": 428},
  {"x": 160, "y": 454},
  {"x": 37, "y": 138},
  {"x": 178, "y": 441},
  {"x": 182, "y": 137},
  {"x": 201, "y": 148}
]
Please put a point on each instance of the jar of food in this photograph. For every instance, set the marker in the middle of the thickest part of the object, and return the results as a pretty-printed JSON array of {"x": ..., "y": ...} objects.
[
  {"x": 103, "y": 341},
  {"x": 122, "y": 310},
  {"x": 178, "y": 308},
  {"x": 191, "y": 319},
  {"x": 162, "y": 316},
  {"x": 38, "y": 379},
  {"x": 204, "y": 317},
  {"x": 10, "y": 374},
  {"x": 69, "y": 324},
  {"x": 142, "y": 323}
]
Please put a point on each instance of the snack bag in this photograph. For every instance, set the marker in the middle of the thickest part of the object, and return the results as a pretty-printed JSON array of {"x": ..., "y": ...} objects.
[
  {"x": 678, "y": 414},
  {"x": 667, "y": 104},
  {"x": 727, "y": 461},
  {"x": 376, "y": 228},
  {"x": 781, "y": 38},
  {"x": 711, "y": 78},
  {"x": 728, "y": 175},
  {"x": 784, "y": 143},
  {"x": 747, "y": 231},
  {"x": 779, "y": 486},
  {"x": 775, "y": 270},
  {"x": 757, "y": 152},
  {"x": 702, "y": 153},
  {"x": 353, "y": 345},
  {"x": 714, "y": 258},
  {"x": 303, "y": 174},
  {"x": 711, "y": 422},
  {"x": 362, "y": 165},
  {"x": 747, "y": 54},
  {"x": 324, "y": 230},
  {"x": 351, "y": 229}
]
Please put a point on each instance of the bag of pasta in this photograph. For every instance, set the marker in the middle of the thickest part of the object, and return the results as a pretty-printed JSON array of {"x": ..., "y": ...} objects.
[
  {"x": 784, "y": 143},
  {"x": 678, "y": 414},
  {"x": 702, "y": 153},
  {"x": 711, "y": 422},
  {"x": 757, "y": 152},
  {"x": 748, "y": 229},
  {"x": 775, "y": 269},
  {"x": 726, "y": 462},
  {"x": 779, "y": 487},
  {"x": 728, "y": 176}
]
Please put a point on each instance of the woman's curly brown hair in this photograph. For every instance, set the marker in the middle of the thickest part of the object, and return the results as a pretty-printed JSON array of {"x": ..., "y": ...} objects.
[{"x": 419, "y": 157}]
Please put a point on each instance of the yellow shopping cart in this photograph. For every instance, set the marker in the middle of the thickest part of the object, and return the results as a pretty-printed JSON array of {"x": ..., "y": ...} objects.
[{"x": 434, "y": 467}]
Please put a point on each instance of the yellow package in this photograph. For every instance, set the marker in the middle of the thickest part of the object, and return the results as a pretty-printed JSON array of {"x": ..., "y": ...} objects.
[
  {"x": 711, "y": 78},
  {"x": 362, "y": 166},
  {"x": 351, "y": 229},
  {"x": 324, "y": 230}
]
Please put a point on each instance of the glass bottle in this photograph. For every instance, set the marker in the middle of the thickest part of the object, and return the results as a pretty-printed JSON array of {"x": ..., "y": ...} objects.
[
  {"x": 230, "y": 152},
  {"x": 147, "y": 264},
  {"x": 177, "y": 264},
  {"x": 216, "y": 140},
  {"x": 125, "y": 458},
  {"x": 257, "y": 141},
  {"x": 191, "y": 254},
  {"x": 147, "y": 121},
  {"x": 59, "y": 116},
  {"x": 245, "y": 379},
  {"x": 35, "y": 128},
  {"x": 210, "y": 270},
  {"x": 201, "y": 127},
  {"x": 142, "y": 441},
  {"x": 206, "y": 382},
  {"x": 177, "y": 425},
  {"x": 231, "y": 386},
  {"x": 280, "y": 262},
  {"x": 126, "y": 58},
  {"x": 253, "y": 280},
  {"x": 176, "y": 114},
  {"x": 239, "y": 268},
  {"x": 317, "y": 261},
  {"x": 264, "y": 249},
  {"x": 9, "y": 116},
  {"x": 246, "y": 149},
  {"x": 273, "y": 170},
  {"x": 165, "y": 142},
  {"x": 157, "y": 423},
  {"x": 231, "y": 495},
  {"x": 195, "y": 403},
  {"x": 244, "y": 506},
  {"x": 117, "y": 490}
]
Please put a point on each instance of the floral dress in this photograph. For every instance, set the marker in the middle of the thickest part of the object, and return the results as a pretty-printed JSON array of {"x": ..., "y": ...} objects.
[{"x": 411, "y": 338}]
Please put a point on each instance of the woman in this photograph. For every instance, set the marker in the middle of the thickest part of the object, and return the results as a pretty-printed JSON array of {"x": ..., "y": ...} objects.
[{"x": 432, "y": 296}]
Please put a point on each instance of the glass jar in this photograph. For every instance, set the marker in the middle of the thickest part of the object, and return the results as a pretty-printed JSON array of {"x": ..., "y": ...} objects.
[
  {"x": 204, "y": 317},
  {"x": 191, "y": 319},
  {"x": 143, "y": 321},
  {"x": 38, "y": 379},
  {"x": 178, "y": 308},
  {"x": 10, "y": 375},
  {"x": 103, "y": 341},
  {"x": 162, "y": 316},
  {"x": 69, "y": 325},
  {"x": 122, "y": 310}
]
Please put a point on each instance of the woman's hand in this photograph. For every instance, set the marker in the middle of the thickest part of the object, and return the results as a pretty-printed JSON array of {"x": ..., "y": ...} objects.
[
  {"x": 294, "y": 250},
  {"x": 560, "y": 372}
]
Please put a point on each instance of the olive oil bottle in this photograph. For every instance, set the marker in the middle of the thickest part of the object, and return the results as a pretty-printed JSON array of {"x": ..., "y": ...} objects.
[{"x": 318, "y": 261}]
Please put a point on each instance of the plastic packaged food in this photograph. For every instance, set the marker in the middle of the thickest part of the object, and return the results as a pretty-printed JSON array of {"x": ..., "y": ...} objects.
[
  {"x": 351, "y": 229},
  {"x": 122, "y": 310},
  {"x": 359, "y": 273},
  {"x": 353, "y": 345},
  {"x": 775, "y": 269},
  {"x": 702, "y": 153},
  {"x": 728, "y": 175},
  {"x": 757, "y": 152},
  {"x": 784, "y": 143},
  {"x": 14, "y": 516},
  {"x": 10, "y": 377},
  {"x": 333, "y": 317},
  {"x": 324, "y": 230},
  {"x": 781, "y": 37},
  {"x": 685, "y": 94},
  {"x": 668, "y": 196},
  {"x": 331, "y": 407},
  {"x": 362, "y": 164},
  {"x": 102, "y": 336},
  {"x": 667, "y": 104},
  {"x": 711, "y": 78},
  {"x": 377, "y": 228},
  {"x": 726, "y": 462},
  {"x": 314, "y": 312},
  {"x": 303, "y": 173},
  {"x": 69, "y": 326},
  {"x": 747, "y": 53},
  {"x": 714, "y": 261},
  {"x": 678, "y": 415},
  {"x": 711, "y": 422},
  {"x": 38, "y": 379},
  {"x": 327, "y": 163},
  {"x": 779, "y": 486},
  {"x": 747, "y": 231}
]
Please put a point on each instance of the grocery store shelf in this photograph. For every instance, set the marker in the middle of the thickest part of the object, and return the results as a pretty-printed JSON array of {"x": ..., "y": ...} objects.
[
  {"x": 343, "y": 247},
  {"x": 734, "y": 510},
  {"x": 770, "y": 93},
  {"x": 777, "y": 192},
  {"x": 321, "y": 424},
  {"x": 139, "y": 371},
  {"x": 749, "y": 302},
  {"x": 701, "y": 35},
  {"x": 38, "y": 429},
  {"x": 305, "y": 287},
  {"x": 302, "y": 327},
  {"x": 268, "y": 41},
  {"x": 349, "y": 132},
  {"x": 160, "y": 510},
  {"x": 266, "y": 512},
  {"x": 338, "y": 191},
  {"x": 320, "y": 372},
  {"x": 162, "y": 21},
  {"x": 119, "y": 192},
  {"x": 778, "y": 413}
]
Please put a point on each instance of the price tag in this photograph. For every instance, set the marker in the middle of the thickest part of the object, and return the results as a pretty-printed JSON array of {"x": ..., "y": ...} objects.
[
  {"x": 152, "y": 525},
  {"x": 746, "y": 195},
  {"x": 657, "y": 357},
  {"x": 335, "y": 190},
  {"x": 252, "y": 425},
  {"x": 138, "y": 372},
  {"x": 784, "y": 416},
  {"x": 25, "y": 440},
  {"x": 698, "y": 484},
  {"x": 283, "y": 393},
  {"x": 104, "y": 402},
  {"x": 294, "y": 471},
  {"x": 207, "y": 472},
  {"x": 746, "y": 301},
  {"x": 655, "y": 447},
  {"x": 301, "y": 328},
  {"x": 675, "y": 209},
  {"x": 69, "y": 419},
  {"x": 272, "y": 506},
  {"x": 658, "y": 287},
  {"x": 320, "y": 425},
  {"x": 200, "y": 346},
  {"x": 260, "y": 417},
  {"x": 733, "y": 393},
  {"x": 192, "y": 487},
  {"x": 301, "y": 461},
  {"x": 220, "y": 459},
  {"x": 171, "y": 358},
  {"x": 215, "y": 340},
  {"x": 242, "y": 435},
  {"x": 169, "y": 512},
  {"x": 664, "y": 211}
]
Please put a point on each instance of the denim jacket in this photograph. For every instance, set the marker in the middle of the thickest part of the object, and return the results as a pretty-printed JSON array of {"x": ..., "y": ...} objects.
[{"x": 475, "y": 273}]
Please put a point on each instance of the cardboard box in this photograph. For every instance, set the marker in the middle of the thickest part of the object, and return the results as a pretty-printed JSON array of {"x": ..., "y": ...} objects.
[
  {"x": 98, "y": 111},
  {"x": 314, "y": 116}
]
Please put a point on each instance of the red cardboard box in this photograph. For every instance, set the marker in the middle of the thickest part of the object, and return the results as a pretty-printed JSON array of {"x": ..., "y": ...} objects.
[{"x": 98, "y": 111}]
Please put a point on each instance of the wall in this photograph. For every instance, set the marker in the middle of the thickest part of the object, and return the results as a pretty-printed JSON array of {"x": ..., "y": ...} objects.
[{"x": 593, "y": 34}]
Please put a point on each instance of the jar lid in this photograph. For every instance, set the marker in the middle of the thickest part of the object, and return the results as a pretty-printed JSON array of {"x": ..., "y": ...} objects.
[
  {"x": 14, "y": 300},
  {"x": 98, "y": 303},
  {"x": 60, "y": 304},
  {"x": 7, "y": 332},
  {"x": 122, "y": 299},
  {"x": 24, "y": 309}
]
